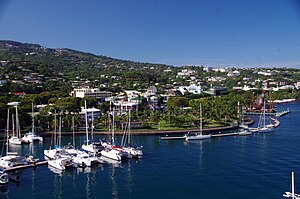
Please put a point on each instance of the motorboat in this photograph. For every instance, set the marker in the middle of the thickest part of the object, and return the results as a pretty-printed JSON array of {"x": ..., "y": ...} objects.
[
  {"x": 111, "y": 154},
  {"x": 12, "y": 160},
  {"x": 15, "y": 140},
  {"x": 245, "y": 132},
  {"x": 62, "y": 163},
  {"x": 55, "y": 153},
  {"x": 82, "y": 158},
  {"x": 135, "y": 152},
  {"x": 31, "y": 137}
]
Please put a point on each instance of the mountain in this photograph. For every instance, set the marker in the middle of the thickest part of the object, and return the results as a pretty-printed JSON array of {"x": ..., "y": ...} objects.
[{"x": 70, "y": 63}]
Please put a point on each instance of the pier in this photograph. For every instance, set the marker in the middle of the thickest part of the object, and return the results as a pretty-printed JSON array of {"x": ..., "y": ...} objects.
[
  {"x": 277, "y": 114},
  {"x": 30, "y": 165},
  {"x": 213, "y": 136}
]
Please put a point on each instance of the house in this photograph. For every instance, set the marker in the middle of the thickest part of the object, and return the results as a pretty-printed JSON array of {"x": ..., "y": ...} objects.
[
  {"x": 193, "y": 88},
  {"x": 18, "y": 94},
  {"x": 217, "y": 90}
]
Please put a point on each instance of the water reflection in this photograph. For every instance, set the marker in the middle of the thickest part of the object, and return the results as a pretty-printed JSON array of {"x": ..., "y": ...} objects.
[
  {"x": 90, "y": 184},
  {"x": 57, "y": 193},
  {"x": 4, "y": 191}
]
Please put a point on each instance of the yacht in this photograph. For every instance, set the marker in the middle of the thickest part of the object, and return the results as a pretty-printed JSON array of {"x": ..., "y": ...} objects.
[
  {"x": 31, "y": 137},
  {"x": 62, "y": 163}
]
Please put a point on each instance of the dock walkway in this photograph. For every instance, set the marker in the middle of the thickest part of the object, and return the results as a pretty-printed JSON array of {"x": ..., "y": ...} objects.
[
  {"x": 31, "y": 165},
  {"x": 213, "y": 136},
  {"x": 277, "y": 114}
]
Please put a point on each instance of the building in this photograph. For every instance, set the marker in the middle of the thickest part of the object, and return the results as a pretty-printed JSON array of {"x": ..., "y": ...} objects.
[
  {"x": 90, "y": 92},
  {"x": 193, "y": 88}
]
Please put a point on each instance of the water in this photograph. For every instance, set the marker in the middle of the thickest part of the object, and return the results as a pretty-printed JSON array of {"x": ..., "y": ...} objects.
[{"x": 256, "y": 166}]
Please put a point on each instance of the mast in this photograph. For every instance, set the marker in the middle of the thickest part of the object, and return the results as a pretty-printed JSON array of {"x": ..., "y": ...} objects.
[
  {"x": 55, "y": 141},
  {"x": 113, "y": 128},
  {"x": 73, "y": 128},
  {"x": 264, "y": 116},
  {"x": 59, "y": 130},
  {"x": 293, "y": 186},
  {"x": 32, "y": 115},
  {"x": 86, "y": 123},
  {"x": 200, "y": 119},
  {"x": 7, "y": 131},
  {"x": 92, "y": 133},
  {"x": 17, "y": 123},
  {"x": 13, "y": 125},
  {"x": 129, "y": 135}
]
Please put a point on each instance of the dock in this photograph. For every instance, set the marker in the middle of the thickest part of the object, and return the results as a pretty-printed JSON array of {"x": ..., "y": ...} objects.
[
  {"x": 30, "y": 165},
  {"x": 276, "y": 114},
  {"x": 213, "y": 136}
]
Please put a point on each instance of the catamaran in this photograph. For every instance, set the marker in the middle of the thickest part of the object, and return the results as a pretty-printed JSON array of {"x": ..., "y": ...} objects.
[
  {"x": 197, "y": 135},
  {"x": 89, "y": 146},
  {"x": 31, "y": 136}
]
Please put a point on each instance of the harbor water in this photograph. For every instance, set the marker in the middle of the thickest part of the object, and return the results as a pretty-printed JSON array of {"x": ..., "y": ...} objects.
[{"x": 257, "y": 166}]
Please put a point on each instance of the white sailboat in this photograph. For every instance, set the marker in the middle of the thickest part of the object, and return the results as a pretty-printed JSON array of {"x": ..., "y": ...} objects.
[
  {"x": 31, "y": 136},
  {"x": 56, "y": 152},
  {"x": 126, "y": 143},
  {"x": 292, "y": 194},
  {"x": 197, "y": 135},
  {"x": 89, "y": 146},
  {"x": 11, "y": 159},
  {"x": 15, "y": 139},
  {"x": 262, "y": 127},
  {"x": 111, "y": 151}
]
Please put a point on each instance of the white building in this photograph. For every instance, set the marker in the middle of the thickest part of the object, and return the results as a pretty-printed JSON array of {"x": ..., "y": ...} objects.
[
  {"x": 92, "y": 113},
  {"x": 193, "y": 88},
  {"x": 90, "y": 92}
]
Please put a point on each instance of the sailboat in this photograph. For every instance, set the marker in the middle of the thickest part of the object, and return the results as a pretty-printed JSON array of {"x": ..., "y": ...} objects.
[
  {"x": 112, "y": 151},
  {"x": 262, "y": 127},
  {"x": 292, "y": 194},
  {"x": 56, "y": 152},
  {"x": 12, "y": 158},
  {"x": 15, "y": 139},
  {"x": 197, "y": 135},
  {"x": 31, "y": 136},
  {"x": 81, "y": 157},
  {"x": 126, "y": 143},
  {"x": 58, "y": 157},
  {"x": 89, "y": 146}
]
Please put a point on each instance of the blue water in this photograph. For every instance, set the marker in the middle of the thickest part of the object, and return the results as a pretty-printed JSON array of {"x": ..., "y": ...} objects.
[{"x": 256, "y": 166}]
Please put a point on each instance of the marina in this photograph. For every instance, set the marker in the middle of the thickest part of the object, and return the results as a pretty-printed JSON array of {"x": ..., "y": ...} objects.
[{"x": 201, "y": 164}]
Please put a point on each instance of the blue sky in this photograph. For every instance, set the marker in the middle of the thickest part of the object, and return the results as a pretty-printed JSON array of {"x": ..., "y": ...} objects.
[{"x": 176, "y": 32}]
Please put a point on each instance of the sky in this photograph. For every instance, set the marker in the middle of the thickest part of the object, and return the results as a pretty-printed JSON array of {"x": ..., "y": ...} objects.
[{"x": 217, "y": 33}]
